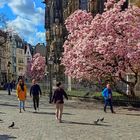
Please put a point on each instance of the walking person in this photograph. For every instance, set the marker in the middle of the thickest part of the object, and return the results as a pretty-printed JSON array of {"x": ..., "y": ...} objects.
[
  {"x": 35, "y": 91},
  {"x": 107, "y": 94},
  {"x": 58, "y": 99},
  {"x": 21, "y": 94},
  {"x": 9, "y": 88}
]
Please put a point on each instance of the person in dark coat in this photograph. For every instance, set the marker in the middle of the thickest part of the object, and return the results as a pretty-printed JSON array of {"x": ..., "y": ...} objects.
[
  {"x": 58, "y": 99},
  {"x": 9, "y": 88},
  {"x": 35, "y": 91}
]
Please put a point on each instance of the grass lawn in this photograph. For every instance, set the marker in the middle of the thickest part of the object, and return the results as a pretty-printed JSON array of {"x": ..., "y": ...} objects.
[{"x": 81, "y": 93}]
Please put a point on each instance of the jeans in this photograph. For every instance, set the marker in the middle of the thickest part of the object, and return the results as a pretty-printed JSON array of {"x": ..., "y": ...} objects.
[
  {"x": 36, "y": 102},
  {"x": 108, "y": 102},
  {"x": 21, "y": 104}
]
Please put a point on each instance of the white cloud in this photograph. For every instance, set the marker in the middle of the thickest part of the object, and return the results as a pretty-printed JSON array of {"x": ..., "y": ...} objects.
[
  {"x": 29, "y": 18},
  {"x": 22, "y": 7},
  {"x": 22, "y": 25},
  {"x": 27, "y": 9},
  {"x": 40, "y": 36}
]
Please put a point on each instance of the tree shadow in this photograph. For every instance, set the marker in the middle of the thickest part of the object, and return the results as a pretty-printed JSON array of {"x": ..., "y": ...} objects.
[
  {"x": 134, "y": 114},
  {"x": 49, "y": 113},
  {"x": 7, "y": 137},
  {"x": 7, "y": 104},
  {"x": 81, "y": 123},
  {"x": 131, "y": 108},
  {"x": 11, "y": 105},
  {"x": 2, "y": 113},
  {"x": 1, "y": 121}
]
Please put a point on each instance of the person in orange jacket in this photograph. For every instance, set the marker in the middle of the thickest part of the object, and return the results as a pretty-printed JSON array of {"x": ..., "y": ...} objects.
[{"x": 21, "y": 94}]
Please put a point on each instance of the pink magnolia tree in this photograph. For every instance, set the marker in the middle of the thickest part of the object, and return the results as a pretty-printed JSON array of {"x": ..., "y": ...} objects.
[
  {"x": 104, "y": 46},
  {"x": 36, "y": 68}
]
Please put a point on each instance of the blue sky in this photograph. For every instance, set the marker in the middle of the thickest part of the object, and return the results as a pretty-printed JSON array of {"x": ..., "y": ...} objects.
[{"x": 26, "y": 18}]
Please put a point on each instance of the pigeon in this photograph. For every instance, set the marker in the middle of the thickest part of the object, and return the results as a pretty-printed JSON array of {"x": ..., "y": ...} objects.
[
  {"x": 12, "y": 125},
  {"x": 102, "y": 119},
  {"x": 96, "y": 122},
  {"x": 1, "y": 120}
]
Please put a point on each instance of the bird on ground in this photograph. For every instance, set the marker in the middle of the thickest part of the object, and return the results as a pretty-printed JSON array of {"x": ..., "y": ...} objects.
[
  {"x": 12, "y": 125},
  {"x": 102, "y": 119},
  {"x": 96, "y": 122},
  {"x": 1, "y": 120}
]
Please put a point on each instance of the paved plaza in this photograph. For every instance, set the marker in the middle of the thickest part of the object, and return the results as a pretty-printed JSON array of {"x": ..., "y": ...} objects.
[{"x": 78, "y": 121}]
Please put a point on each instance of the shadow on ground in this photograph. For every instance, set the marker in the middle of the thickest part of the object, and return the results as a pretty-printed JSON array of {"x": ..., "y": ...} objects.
[
  {"x": 133, "y": 114},
  {"x": 2, "y": 113},
  {"x": 130, "y": 114},
  {"x": 49, "y": 113},
  {"x": 11, "y": 105},
  {"x": 82, "y": 123},
  {"x": 7, "y": 137},
  {"x": 131, "y": 108}
]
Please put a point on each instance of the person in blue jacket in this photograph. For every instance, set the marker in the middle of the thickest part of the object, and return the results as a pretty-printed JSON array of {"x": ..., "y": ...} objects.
[{"x": 107, "y": 94}]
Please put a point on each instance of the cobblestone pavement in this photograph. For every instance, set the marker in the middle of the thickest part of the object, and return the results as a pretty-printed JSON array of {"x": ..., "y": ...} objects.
[{"x": 78, "y": 122}]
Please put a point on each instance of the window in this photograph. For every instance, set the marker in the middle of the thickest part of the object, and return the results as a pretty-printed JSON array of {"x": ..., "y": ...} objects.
[
  {"x": 83, "y": 4},
  {"x": 0, "y": 64},
  {"x": 20, "y": 51},
  {"x": 15, "y": 69},
  {"x": 20, "y": 69},
  {"x": 0, "y": 52},
  {"x": 14, "y": 59},
  {"x": 20, "y": 60},
  {"x": 28, "y": 59}
]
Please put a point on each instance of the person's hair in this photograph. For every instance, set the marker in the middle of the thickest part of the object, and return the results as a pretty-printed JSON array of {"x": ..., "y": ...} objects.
[
  {"x": 22, "y": 85},
  {"x": 58, "y": 84}
]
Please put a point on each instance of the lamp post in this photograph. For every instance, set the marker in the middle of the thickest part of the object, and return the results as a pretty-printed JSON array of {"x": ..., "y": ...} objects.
[
  {"x": 8, "y": 79},
  {"x": 8, "y": 69},
  {"x": 50, "y": 62}
]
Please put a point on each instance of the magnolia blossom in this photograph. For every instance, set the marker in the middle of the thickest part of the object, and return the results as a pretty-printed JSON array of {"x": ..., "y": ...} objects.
[
  {"x": 104, "y": 45},
  {"x": 36, "y": 69}
]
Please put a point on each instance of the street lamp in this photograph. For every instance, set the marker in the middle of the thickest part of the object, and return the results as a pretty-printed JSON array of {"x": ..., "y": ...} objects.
[
  {"x": 8, "y": 68},
  {"x": 50, "y": 62},
  {"x": 8, "y": 79}
]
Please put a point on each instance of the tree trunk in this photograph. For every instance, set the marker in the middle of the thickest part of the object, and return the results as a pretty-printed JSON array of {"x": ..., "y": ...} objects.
[
  {"x": 132, "y": 92},
  {"x": 131, "y": 84}
]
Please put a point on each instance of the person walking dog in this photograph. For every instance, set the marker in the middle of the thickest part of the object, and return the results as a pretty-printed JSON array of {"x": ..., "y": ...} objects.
[
  {"x": 58, "y": 99},
  {"x": 35, "y": 91},
  {"x": 107, "y": 94}
]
